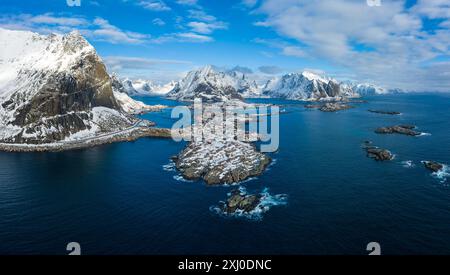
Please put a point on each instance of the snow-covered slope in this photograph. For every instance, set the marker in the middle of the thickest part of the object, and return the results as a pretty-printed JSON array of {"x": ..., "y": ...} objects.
[
  {"x": 307, "y": 86},
  {"x": 141, "y": 87},
  {"x": 53, "y": 87},
  {"x": 164, "y": 89},
  {"x": 213, "y": 85},
  {"x": 129, "y": 105},
  {"x": 365, "y": 89},
  {"x": 246, "y": 87}
]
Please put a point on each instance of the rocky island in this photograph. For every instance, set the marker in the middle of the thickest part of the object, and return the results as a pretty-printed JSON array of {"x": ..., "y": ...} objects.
[
  {"x": 334, "y": 107},
  {"x": 251, "y": 206},
  {"x": 399, "y": 129},
  {"x": 384, "y": 112},
  {"x": 376, "y": 153},
  {"x": 433, "y": 166},
  {"x": 219, "y": 159}
]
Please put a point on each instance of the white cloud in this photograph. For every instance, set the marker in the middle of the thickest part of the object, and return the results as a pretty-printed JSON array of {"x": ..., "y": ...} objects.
[
  {"x": 158, "y": 22},
  {"x": 50, "y": 19},
  {"x": 97, "y": 29},
  {"x": 433, "y": 8},
  {"x": 207, "y": 28},
  {"x": 187, "y": 2},
  {"x": 126, "y": 62},
  {"x": 112, "y": 34},
  {"x": 182, "y": 37},
  {"x": 154, "y": 5},
  {"x": 193, "y": 37},
  {"x": 386, "y": 44},
  {"x": 160, "y": 71},
  {"x": 294, "y": 51},
  {"x": 201, "y": 15},
  {"x": 249, "y": 3},
  {"x": 270, "y": 69}
]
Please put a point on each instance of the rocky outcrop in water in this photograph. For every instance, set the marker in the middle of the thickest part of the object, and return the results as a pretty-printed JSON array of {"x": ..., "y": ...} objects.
[
  {"x": 218, "y": 159},
  {"x": 376, "y": 153},
  {"x": 433, "y": 166},
  {"x": 241, "y": 202},
  {"x": 379, "y": 154},
  {"x": 384, "y": 112},
  {"x": 221, "y": 162},
  {"x": 334, "y": 107},
  {"x": 398, "y": 129}
]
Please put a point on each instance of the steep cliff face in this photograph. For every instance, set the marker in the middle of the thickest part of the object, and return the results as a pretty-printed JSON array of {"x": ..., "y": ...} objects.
[{"x": 49, "y": 86}]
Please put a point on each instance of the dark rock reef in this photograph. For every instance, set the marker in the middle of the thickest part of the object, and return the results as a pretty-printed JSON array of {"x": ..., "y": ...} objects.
[
  {"x": 398, "y": 129},
  {"x": 376, "y": 153},
  {"x": 384, "y": 112},
  {"x": 334, "y": 107},
  {"x": 433, "y": 166},
  {"x": 241, "y": 202}
]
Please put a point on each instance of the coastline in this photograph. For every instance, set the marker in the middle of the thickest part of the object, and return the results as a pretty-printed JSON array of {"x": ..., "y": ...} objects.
[{"x": 128, "y": 135}]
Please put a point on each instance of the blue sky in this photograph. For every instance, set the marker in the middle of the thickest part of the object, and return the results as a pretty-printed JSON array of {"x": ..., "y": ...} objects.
[{"x": 400, "y": 43}]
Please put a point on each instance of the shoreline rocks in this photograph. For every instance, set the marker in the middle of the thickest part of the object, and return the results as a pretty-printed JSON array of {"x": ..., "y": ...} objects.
[
  {"x": 398, "y": 129},
  {"x": 126, "y": 136}
]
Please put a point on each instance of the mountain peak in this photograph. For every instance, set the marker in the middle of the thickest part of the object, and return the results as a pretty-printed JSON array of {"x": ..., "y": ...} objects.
[{"x": 313, "y": 76}]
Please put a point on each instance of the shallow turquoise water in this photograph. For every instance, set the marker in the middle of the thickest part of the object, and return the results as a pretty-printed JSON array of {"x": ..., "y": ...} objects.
[{"x": 118, "y": 199}]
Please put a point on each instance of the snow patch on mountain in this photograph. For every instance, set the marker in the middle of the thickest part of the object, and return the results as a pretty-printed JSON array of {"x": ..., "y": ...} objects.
[
  {"x": 214, "y": 85},
  {"x": 307, "y": 86}
]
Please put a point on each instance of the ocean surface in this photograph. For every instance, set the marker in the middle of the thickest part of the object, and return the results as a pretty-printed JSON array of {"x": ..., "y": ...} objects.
[{"x": 124, "y": 199}]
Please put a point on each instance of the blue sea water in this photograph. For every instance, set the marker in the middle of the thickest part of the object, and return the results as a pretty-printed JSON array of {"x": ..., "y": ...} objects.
[{"x": 119, "y": 199}]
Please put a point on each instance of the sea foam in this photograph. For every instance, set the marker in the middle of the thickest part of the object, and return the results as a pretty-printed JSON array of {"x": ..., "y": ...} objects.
[{"x": 267, "y": 201}]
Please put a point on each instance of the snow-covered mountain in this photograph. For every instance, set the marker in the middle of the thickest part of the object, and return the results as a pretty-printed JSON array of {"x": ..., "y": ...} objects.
[
  {"x": 164, "y": 89},
  {"x": 128, "y": 104},
  {"x": 307, "y": 86},
  {"x": 246, "y": 87},
  {"x": 365, "y": 89},
  {"x": 54, "y": 87},
  {"x": 142, "y": 87},
  {"x": 213, "y": 85}
]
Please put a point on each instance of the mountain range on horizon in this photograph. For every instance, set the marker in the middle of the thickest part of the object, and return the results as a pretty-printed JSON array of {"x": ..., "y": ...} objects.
[
  {"x": 54, "y": 87},
  {"x": 212, "y": 83}
]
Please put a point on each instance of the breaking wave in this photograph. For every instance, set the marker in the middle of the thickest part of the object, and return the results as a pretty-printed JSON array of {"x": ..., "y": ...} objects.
[
  {"x": 267, "y": 201},
  {"x": 170, "y": 167},
  {"x": 408, "y": 164},
  {"x": 181, "y": 178},
  {"x": 442, "y": 174}
]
